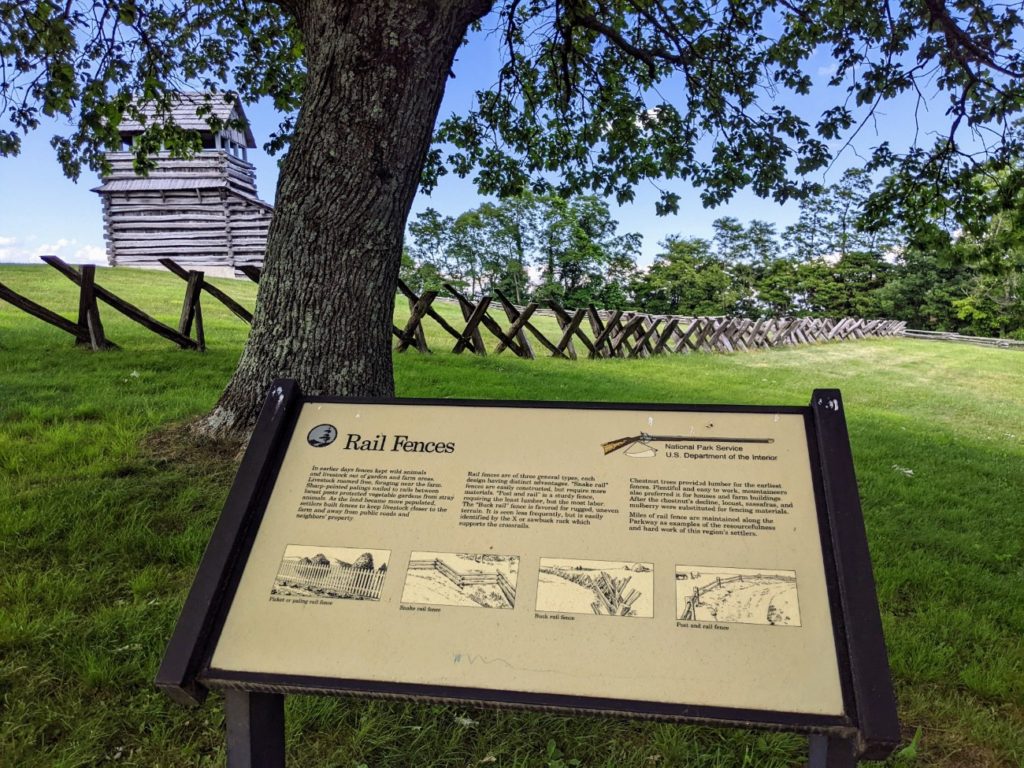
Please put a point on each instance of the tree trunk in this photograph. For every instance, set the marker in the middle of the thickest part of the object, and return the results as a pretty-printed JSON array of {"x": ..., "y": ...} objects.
[{"x": 376, "y": 75}]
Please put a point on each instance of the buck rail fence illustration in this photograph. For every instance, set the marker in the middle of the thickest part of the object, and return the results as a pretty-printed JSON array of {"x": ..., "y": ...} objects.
[
  {"x": 465, "y": 580},
  {"x": 693, "y": 602},
  {"x": 612, "y": 598},
  {"x": 331, "y": 580}
]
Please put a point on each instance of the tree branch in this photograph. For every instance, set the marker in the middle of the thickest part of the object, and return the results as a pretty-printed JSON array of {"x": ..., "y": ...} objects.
[{"x": 960, "y": 42}]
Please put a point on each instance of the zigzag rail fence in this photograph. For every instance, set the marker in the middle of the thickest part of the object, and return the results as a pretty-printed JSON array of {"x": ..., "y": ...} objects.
[
  {"x": 332, "y": 580},
  {"x": 693, "y": 602},
  {"x": 585, "y": 332},
  {"x": 463, "y": 580}
]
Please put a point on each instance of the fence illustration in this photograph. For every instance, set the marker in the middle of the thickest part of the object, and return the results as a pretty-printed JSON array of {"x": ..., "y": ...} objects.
[
  {"x": 580, "y": 579},
  {"x": 693, "y": 602},
  {"x": 612, "y": 599},
  {"x": 332, "y": 580},
  {"x": 463, "y": 580}
]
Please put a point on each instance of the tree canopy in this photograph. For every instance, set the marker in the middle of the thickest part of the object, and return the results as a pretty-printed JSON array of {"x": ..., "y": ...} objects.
[
  {"x": 593, "y": 96},
  {"x": 571, "y": 245},
  {"x": 830, "y": 263}
]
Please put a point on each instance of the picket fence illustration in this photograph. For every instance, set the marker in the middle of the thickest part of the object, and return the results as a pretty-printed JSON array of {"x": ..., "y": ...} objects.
[{"x": 332, "y": 579}]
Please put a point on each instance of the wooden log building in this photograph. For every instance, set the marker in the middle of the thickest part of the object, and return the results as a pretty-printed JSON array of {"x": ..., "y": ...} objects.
[{"x": 203, "y": 212}]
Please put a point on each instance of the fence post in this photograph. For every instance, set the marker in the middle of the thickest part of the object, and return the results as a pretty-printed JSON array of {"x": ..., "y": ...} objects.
[
  {"x": 471, "y": 334},
  {"x": 420, "y": 336},
  {"x": 520, "y": 335},
  {"x": 88, "y": 312},
  {"x": 191, "y": 311},
  {"x": 413, "y": 333}
]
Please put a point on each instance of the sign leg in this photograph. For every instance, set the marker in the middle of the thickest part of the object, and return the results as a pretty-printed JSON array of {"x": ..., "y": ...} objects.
[
  {"x": 830, "y": 752},
  {"x": 255, "y": 724}
]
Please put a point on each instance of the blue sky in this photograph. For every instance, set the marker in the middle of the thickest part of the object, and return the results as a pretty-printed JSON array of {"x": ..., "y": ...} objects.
[{"x": 41, "y": 211}]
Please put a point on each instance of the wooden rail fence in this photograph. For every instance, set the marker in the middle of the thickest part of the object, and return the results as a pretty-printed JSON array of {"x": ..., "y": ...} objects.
[
  {"x": 584, "y": 332},
  {"x": 612, "y": 600},
  {"x": 618, "y": 333},
  {"x": 88, "y": 329},
  {"x": 984, "y": 341},
  {"x": 332, "y": 580}
]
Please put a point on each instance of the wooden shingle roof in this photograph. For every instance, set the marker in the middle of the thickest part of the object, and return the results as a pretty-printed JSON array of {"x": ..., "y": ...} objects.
[{"x": 191, "y": 110}]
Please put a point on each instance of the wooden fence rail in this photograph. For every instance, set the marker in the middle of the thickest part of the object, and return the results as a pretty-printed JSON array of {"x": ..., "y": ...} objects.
[
  {"x": 618, "y": 333},
  {"x": 239, "y": 311},
  {"x": 984, "y": 341},
  {"x": 78, "y": 330},
  {"x": 127, "y": 309},
  {"x": 583, "y": 332},
  {"x": 88, "y": 329}
]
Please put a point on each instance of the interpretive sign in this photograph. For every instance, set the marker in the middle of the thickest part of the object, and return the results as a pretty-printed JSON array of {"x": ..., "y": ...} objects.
[{"x": 682, "y": 562}]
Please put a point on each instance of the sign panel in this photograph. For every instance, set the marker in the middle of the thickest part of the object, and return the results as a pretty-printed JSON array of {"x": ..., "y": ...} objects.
[{"x": 674, "y": 556}]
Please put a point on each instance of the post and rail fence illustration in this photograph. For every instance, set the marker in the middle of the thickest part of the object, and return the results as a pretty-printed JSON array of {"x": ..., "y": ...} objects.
[
  {"x": 331, "y": 579},
  {"x": 585, "y": 332},
  {"x": 693, "y": 602},
  {"x": 463, "y": 580}
]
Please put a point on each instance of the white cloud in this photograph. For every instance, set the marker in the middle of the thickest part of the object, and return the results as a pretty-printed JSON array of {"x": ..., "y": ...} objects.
[
  {"x": 47, "y": 249},
  {"x": 90, "y": 254},
  {"x": 14, "y": 250},
  {"x": 9, "y": 249}
]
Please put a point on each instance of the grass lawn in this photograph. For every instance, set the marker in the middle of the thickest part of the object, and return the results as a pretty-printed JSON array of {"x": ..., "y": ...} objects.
[{"x": 102, "y": 525}]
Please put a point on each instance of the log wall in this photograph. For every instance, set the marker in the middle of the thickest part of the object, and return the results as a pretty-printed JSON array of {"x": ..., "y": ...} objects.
[{"x": 202, "y": 212}]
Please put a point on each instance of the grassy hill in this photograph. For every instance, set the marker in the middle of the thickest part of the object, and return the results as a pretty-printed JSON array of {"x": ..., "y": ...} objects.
[{"x": 103, "y": 517}]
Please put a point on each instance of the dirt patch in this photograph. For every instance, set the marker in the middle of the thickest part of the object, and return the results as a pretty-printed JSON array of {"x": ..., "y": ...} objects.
[{"x": 179, "y": 445}]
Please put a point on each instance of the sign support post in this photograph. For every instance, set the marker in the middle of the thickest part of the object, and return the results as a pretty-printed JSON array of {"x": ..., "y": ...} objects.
[
  {"x": 830, "y": 752},
  {"x": 255, "y": 729}
]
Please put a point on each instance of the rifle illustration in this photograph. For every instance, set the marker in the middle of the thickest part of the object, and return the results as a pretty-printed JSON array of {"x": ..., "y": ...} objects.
[{"x": 644, "y": 439}]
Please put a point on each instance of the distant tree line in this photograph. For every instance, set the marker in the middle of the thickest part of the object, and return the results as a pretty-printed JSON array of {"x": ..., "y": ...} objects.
[
  {"x": 935, "y": 274},
  {"x": 571, "y": 247}
]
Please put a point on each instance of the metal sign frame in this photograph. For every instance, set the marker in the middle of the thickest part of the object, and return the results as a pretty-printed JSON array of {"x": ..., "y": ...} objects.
[{"x": 869, "y": 729}]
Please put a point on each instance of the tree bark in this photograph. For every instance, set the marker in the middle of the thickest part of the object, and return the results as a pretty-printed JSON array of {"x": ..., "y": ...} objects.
[{"x": 376, "y": 73}]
